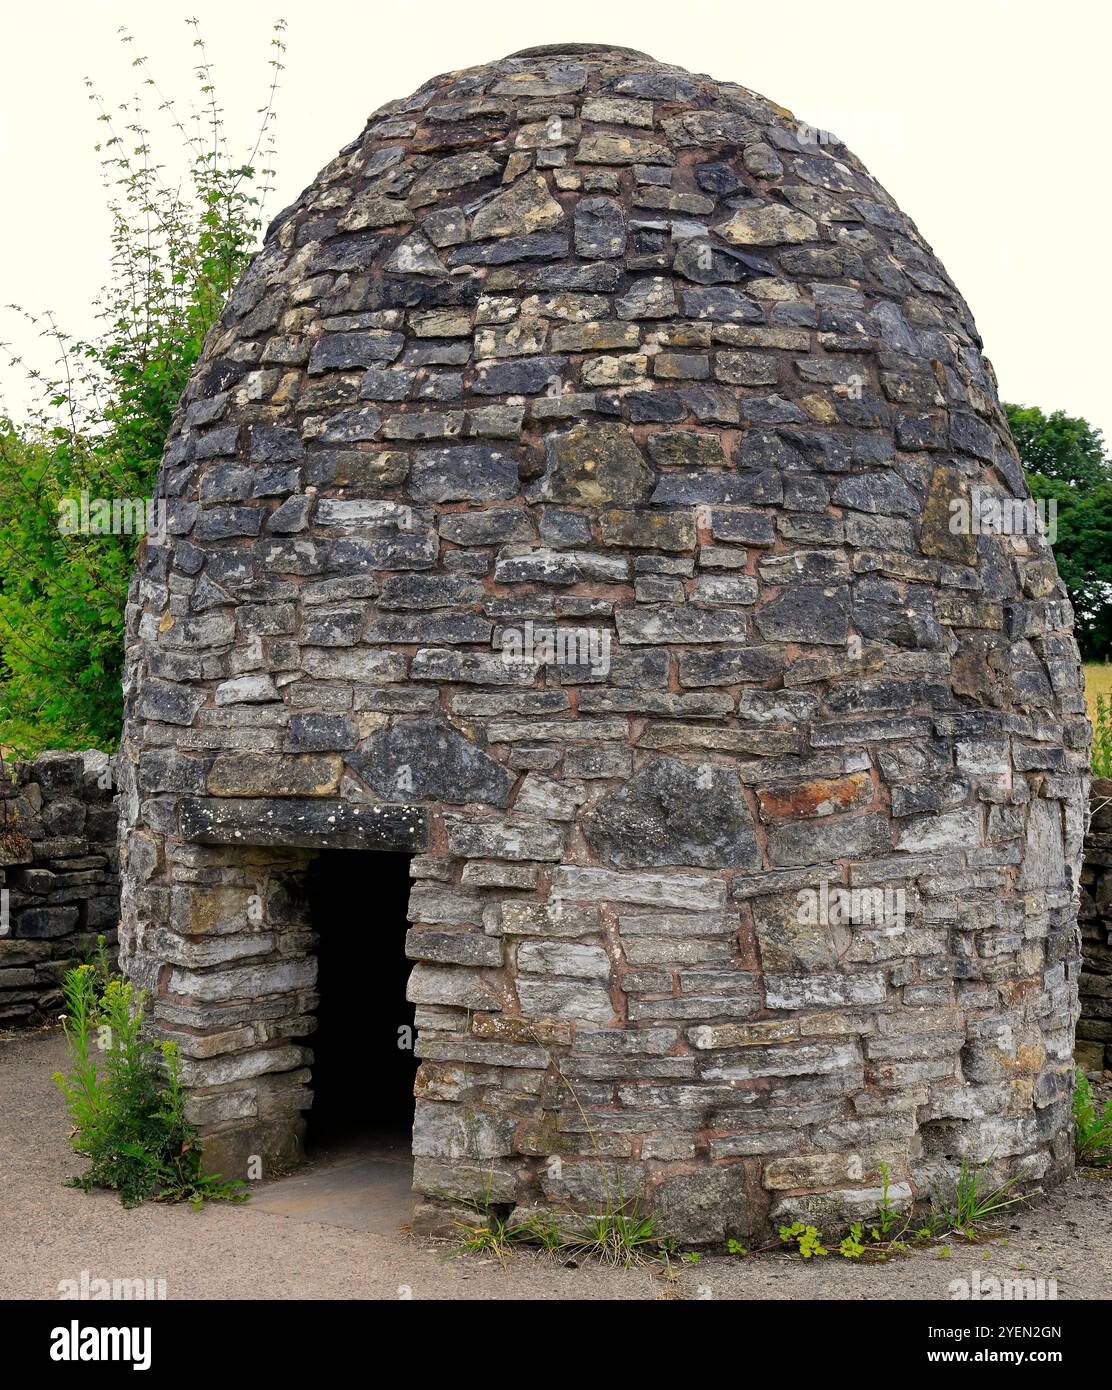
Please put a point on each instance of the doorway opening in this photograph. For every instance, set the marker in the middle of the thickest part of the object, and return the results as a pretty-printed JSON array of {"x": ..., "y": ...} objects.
[{"x": 364, "y": 1063}]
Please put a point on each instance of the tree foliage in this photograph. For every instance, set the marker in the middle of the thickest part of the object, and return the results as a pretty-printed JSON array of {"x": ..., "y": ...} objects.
[
  {"x": 101, "y": 415},
  {"x": 1062, "y": 447},
  {"x": 1065, "y": 460}
]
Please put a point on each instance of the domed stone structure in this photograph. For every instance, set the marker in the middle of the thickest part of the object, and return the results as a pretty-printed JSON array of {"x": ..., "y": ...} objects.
[{"x": 595, "y": 491}]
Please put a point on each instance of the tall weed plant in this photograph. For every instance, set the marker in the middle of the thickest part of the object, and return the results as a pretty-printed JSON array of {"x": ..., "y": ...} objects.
[
  {"x": 1092, "y": 1125},
  {"x": 1102, "y": 738},
  {"x": 101, "y": 414},
  {"x": 125, "y": 1098}
]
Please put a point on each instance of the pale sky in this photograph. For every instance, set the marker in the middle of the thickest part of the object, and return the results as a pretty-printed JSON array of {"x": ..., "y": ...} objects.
[{"x": 987, "y": 120}]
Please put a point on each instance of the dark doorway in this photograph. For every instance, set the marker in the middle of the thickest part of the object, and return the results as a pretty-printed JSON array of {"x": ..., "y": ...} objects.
[{"x": 364, "y": 1065}]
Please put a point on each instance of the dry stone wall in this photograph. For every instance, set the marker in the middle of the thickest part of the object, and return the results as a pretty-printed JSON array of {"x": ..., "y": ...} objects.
[
  {"x": 568, "y": 496},
  {"x": 58, "y": 876},
  {"x": 1094, "y": 1029}
]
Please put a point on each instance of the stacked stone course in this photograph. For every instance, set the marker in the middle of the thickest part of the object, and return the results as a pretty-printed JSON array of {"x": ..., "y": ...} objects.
[
  {"x": 1094, "y": 1029},
  {"x": 58, "y": 871},
  {"x": 581, "y": 340}
]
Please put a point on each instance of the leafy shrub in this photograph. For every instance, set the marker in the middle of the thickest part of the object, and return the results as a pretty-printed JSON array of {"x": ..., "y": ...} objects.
[
  {"x": 1102, "y": 738},
  {"x": 103, "y": 413},
  {"x": 128, "y": 1110},
  {"x": 1092, "y": 1131}
]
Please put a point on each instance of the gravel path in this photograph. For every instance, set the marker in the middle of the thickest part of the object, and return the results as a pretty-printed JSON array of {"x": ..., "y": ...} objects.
[{"x": 49, "y": 1233}]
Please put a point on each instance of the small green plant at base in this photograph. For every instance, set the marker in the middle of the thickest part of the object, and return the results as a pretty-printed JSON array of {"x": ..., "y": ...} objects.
[
  {"x": 735, "y": 1247},
  {"x": 128, "y": 1111},
  {"x": 974, "y": 1201},
  {"x": 886, "y": 1233},
  {"x": 490, "y": 1235},
  {"x": 852, "y": 1246},
  {"x": 616, "y": 1236},
  {"x": 807, "y": 1238},
  {"x": 619, "y": 1235},
  {"x": 1092, "y": 1129},
  {"x": 542, "y": 1231}
]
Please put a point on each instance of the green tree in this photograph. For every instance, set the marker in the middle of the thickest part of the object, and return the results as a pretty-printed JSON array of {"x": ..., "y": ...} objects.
[
  {"x": 1065, "y": 461},
  {"x": 1082, "y": 549},
  {"x": 1059, "y": 446},
  {"x": 178, "y": 246}
]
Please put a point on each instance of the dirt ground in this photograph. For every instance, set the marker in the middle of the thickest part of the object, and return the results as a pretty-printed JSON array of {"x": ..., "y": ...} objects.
[{"x": 50, "y": 1233}]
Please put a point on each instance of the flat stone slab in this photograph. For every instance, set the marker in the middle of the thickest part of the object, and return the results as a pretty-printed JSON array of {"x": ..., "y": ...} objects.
[
  {"x": 308, "y": 822},
  {"x": 372, "y": 1191}
]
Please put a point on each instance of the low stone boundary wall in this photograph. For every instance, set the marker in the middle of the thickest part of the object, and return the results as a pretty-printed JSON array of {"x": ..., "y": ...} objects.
[
  {"x": 59, "y": 885},
  {"x": 1094, "y": 1030}
]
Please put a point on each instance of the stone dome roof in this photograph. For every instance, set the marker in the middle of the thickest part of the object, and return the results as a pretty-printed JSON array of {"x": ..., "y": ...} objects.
[{"x": 583, "y": 487}]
